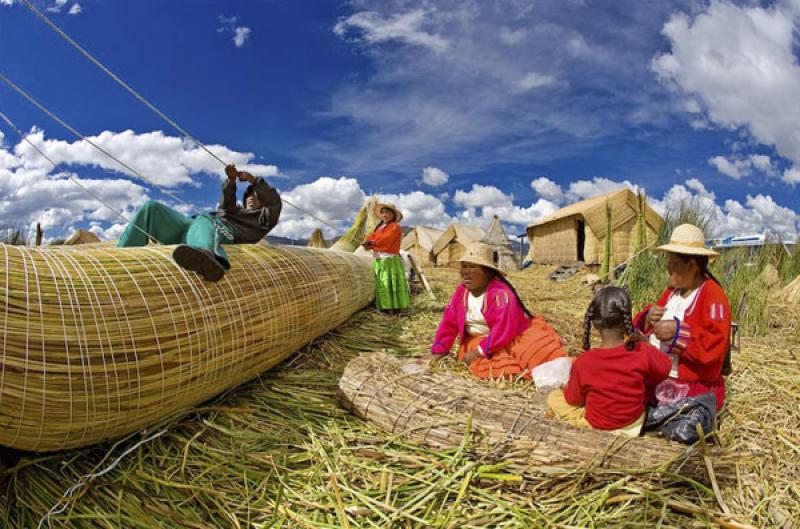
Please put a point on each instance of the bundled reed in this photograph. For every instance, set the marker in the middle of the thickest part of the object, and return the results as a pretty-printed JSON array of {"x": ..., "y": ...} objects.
[
  {"x": 365, "y": 222},
  {"x": 791, "y": 292},
  {"x": 99, "y": 342},
  {"x": 437, "y": 408},
  {"x": 317, "y": 240}
]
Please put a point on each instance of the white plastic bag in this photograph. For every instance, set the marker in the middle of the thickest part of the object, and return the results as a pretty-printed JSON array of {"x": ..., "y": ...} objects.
[
  {"x": 671, "y": 391},
  {"x": 552, "y": 375}
]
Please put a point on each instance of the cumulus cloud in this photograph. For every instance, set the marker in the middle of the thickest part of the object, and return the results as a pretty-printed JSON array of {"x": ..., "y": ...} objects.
[
  {"x": 75, "y": 9},
  {"x": 758, "y": 214},
  {"x": 547, "y": 189},
  {"x": 533, "y": 80},
  {"x": 511, "y": 37},
  {"x": 403, "y": 27},
  {"x": 232, "y": 25},
  {"x": 740, "y": 62},
  {"x": 738, "y": 167},
  {"x": 433, "y": 176},
  {"x": 168, "y": 161},
  {"x": 481, "y": 203}
]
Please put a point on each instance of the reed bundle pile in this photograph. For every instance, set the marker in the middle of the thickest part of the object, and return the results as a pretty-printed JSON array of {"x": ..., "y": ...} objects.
[
  {"x": 98, "y": 342},
  {"x": 769, "y": 276},
  {"x": 791, "y": 292},
  {"x": 364, "y": 223},
  {"x": 317, "y": 240},
  {"x": 436, "y": 409}
]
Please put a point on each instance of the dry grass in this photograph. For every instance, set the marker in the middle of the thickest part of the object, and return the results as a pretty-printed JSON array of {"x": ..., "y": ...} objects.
[{"x": 280, "y": 451}]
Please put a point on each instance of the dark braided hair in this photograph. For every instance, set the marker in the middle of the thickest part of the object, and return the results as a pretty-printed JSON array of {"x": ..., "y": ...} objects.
[{"x": 610, "y": 309}]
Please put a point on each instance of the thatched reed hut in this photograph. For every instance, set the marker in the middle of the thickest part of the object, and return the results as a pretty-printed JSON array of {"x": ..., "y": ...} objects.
[
  {"x": 82, "y": 237},
  {"x": 419, "y": 243},
  {"x": 577, "y": 232},
  {"x": 452, "y": 242},
  {"x": 504, "y": 254},
  {"x": 317, "y": 240}
]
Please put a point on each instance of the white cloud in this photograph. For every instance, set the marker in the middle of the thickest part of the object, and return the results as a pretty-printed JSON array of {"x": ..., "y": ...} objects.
[
  {"x": 6, "y": 2},
  {"x": 792, "y": 175},
  {"x": 740, "y": 62},
  {"x": 738, "y": 167},
  {"x": 434, "y": 176},
  {"x": 583, "y": 189},
  {"x": 168, "y": 161},
  {"x": 533, "y": 80},
  {"x": 231, "y": 24},
  {"x": 240, "y": 35},
  {"x": 758, "y": 214},
  {"x": 481, "y": 203},
  {"x": 75, "y": 9},
  {"x": 420, "y": 209},
  {"x": 511, "y": 37},
  {"x": 403, "y": 27},
  {"x": 548, "y": 189}
]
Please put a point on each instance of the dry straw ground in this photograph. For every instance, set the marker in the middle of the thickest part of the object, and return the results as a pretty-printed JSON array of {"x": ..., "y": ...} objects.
[{"x": 281, "y": 452}]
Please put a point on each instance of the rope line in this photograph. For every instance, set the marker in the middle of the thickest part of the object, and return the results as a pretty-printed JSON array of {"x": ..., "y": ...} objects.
[
  {"x": 72, "y": 178},
  {"x": 144, "y": 100},
  {"x": 64, "y": 124}
]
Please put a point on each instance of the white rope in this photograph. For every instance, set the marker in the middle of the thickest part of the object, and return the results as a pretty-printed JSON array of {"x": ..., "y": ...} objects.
[
  {"x": 85, "y": 480},
  {"x": 74, "y": 131},
  {"x": 144, "y": 100},
  {"x": 71, "y": 178}
]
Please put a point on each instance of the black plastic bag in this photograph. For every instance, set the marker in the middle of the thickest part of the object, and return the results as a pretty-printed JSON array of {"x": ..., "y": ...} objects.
[{"x": 678, "y": 421}]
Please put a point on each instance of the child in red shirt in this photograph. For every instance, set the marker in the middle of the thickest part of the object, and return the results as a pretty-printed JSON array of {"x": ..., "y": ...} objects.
[{"x": 608, "y": 384}]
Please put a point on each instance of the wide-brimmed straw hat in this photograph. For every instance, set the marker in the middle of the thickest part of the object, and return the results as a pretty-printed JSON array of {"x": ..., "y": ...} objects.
[
  {"x": 398, "y": 215},
  {"x": 687, "y": 239},
  {"x": 480, "y": 254}
]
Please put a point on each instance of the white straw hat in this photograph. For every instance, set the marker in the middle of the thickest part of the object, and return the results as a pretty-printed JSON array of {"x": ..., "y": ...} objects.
[
  {"x": 687, "y": 239},
  {"x": 398, "y": 215},
  {"x": 480, "y": 254}
]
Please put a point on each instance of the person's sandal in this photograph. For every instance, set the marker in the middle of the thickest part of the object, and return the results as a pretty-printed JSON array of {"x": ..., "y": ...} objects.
[{"x": 198, "y": 260}]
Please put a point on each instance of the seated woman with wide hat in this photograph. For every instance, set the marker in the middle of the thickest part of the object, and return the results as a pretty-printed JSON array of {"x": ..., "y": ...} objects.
[
  {"x": 498, "y": 336},
  {"x": 691, "y": 321}
]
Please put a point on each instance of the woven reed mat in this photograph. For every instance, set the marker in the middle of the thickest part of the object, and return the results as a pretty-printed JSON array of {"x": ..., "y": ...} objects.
[
  {"x": 98, "y": 342},
  {"x": 436, "y": 408}
]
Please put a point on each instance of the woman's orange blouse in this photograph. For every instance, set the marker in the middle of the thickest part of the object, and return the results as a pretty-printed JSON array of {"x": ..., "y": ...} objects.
[{"x": 386, "y": 238}]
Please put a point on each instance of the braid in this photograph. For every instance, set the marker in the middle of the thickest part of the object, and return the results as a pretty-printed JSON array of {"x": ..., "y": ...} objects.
[
  {"x": 502, "y": 278},
  {"x": 587, "y": 327},
  {"x": 630, "y": 343}
]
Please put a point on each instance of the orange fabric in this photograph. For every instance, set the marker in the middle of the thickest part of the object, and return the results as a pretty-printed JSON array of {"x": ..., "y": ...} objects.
[
  {"x": 387, "y": 238},
  {"x": 538, "y": 344}
]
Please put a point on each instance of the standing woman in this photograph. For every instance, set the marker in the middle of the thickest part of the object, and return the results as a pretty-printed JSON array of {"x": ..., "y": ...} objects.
[
  {"x": 391, "y": 288},
  {"x": 691, "y": 322},
  {"x": 498, "y": 336}
]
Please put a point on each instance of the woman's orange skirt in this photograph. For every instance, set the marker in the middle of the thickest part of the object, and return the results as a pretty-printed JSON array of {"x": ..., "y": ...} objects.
[{"x": 538, "y": 344}]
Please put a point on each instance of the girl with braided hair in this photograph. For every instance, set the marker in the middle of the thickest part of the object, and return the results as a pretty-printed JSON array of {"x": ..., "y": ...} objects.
[
  {"x": 608, "y": 385},
  {"x": 498, "y": 336}
]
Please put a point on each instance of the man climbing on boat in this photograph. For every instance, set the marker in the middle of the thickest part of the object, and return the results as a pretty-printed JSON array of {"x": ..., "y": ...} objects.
[{"x": 200, "y": 238}]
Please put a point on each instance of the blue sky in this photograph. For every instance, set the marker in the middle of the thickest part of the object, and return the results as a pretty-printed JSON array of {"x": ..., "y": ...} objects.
[{"x": 455, "y": 110}]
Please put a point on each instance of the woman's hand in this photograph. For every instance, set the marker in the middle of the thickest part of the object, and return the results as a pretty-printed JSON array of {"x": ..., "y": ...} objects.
[
  {"x": 665, "y": 330},
  {"x": 471, "y": 356},
  {"x": 654, "y": 315}
]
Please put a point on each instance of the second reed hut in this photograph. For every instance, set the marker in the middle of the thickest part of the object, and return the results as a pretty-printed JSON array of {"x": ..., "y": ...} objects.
[
  {"x": 504, "y": 254},
  {"x": 577, "y": 232},
  {"x": 419, "y": 243},
  {"x": 453, "y": 241}
]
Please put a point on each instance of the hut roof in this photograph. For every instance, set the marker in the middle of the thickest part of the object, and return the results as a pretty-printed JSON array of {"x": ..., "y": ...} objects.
[
  {"x": 424, "y": 236},
  {"x": 460, "y": 232},
  {"x": 624, "y": 206},
  {"x": 82, "y": 237},
  {"x": 495, "y": 234}
]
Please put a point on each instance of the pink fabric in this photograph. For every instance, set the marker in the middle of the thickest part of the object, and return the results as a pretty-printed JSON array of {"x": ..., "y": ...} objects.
[{"x": 504, "y": 317}]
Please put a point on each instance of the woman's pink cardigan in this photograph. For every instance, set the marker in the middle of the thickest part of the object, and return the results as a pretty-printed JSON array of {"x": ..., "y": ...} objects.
[{"x": 504, "y": 317}]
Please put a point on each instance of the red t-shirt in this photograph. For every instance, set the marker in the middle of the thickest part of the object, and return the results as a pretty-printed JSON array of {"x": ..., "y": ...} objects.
[{"x": 611, "y": 383}]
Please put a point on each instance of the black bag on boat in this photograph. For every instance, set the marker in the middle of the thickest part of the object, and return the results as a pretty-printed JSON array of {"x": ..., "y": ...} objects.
[{"x": 677, "y": 421}]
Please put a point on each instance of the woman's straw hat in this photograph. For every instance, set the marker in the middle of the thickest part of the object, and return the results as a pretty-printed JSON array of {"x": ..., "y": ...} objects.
[
  {"x": 687, "y": 239},
  {"x": 398, "y": 215},
  {"x": 480, "y": 254}
]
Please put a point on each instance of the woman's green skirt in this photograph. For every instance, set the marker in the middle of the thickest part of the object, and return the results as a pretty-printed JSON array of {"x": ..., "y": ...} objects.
[{"x": 391, "y": 288}]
